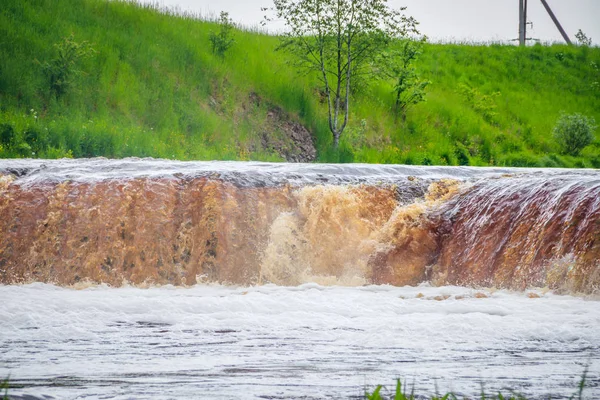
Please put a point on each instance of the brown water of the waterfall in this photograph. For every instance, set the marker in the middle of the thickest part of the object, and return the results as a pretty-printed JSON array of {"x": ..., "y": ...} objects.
[{"x": 160, "y": 222}]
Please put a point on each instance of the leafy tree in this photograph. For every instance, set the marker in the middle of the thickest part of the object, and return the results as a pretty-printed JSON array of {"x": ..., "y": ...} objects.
[
  {"x": 339, "y": 40},
  {"x": 221, "y": 41},
  {"x": 62, "y": 69},
  {"x": 573, "y": 132},
  {"x": 398, "y": 64}
]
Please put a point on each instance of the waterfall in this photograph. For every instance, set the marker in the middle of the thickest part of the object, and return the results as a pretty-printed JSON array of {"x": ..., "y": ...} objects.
[{"x": 153, "y": 222}]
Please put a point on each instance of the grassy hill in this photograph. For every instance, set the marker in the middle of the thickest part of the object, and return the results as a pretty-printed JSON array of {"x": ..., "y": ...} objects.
[{"x": 152, "y": 87}]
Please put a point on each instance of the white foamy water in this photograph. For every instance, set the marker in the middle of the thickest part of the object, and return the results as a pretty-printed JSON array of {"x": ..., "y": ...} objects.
[
  {"x": 32, "y": 171},
  {"x": 299, "y": 342}
]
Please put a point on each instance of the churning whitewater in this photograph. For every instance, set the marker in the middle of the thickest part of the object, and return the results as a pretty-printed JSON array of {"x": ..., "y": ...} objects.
[
  {"x": 309, "y": 342},
  {"x": 144, "y": 278}
]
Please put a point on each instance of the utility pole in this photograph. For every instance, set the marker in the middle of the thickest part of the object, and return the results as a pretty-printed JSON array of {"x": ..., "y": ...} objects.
[
  {"x": 523, "y": 22},
  {"x": 560, "y": 28}
]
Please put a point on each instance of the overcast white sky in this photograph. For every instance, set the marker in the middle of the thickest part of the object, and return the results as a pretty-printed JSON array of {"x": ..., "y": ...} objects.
[{"x": 477, "y": 20}]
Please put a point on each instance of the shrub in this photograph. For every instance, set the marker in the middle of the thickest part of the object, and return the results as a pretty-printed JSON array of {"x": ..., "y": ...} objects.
[
  {"x": 223, "y": 40},
  {"x": 573, "y": 132},
  {"x": 61, "y": 69},
  {"x": 398, "y": 65}
]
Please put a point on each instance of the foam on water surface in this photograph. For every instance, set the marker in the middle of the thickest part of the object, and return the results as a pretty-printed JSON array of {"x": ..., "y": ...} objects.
[
  {"x": 31, "y": 171},
  {"x": 308, "y": 341}
]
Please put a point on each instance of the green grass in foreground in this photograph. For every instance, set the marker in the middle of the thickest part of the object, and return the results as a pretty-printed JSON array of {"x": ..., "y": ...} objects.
[
  {"x": 4, "y": 389},
  {"x": 152, "y": 87},
  {"x": 400, "y": 393}
]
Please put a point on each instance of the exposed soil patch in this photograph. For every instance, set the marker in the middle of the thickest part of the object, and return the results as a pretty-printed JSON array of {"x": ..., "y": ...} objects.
[
  {"x": 301, "y": 148},
  {"x": 289, "y": 138}
]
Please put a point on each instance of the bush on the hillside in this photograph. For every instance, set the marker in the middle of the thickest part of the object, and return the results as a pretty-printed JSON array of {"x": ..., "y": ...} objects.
[
  {"x": 62, "y": 69},
  {"x": 573, "y": 132},
  {"x": 221, "y": 41},
  {"x": 398, "y": 65}
]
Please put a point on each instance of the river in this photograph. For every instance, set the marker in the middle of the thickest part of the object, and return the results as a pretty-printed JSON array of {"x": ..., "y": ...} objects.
[{"x": 144, "y": 278}]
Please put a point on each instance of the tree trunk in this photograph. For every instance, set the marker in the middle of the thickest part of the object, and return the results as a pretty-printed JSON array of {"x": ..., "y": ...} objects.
[{"x": 336, "y": 139}]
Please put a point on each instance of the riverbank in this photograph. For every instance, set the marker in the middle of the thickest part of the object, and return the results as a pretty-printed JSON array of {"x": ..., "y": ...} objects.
[{"x": 149, "y": 86}]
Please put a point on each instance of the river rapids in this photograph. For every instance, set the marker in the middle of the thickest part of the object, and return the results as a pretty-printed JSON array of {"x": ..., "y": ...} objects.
[{"x": 142, "y": 278}]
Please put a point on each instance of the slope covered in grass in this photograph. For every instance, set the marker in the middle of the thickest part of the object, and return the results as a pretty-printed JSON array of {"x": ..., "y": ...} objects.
[{"x": 152, "y": 87}]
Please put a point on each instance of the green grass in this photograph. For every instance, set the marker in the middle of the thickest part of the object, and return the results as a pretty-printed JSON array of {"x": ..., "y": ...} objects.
[
  {"x": 154, "y": 89},
  {"x": 400, "y": 393},
  {"x": 4, "y": 385}
]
